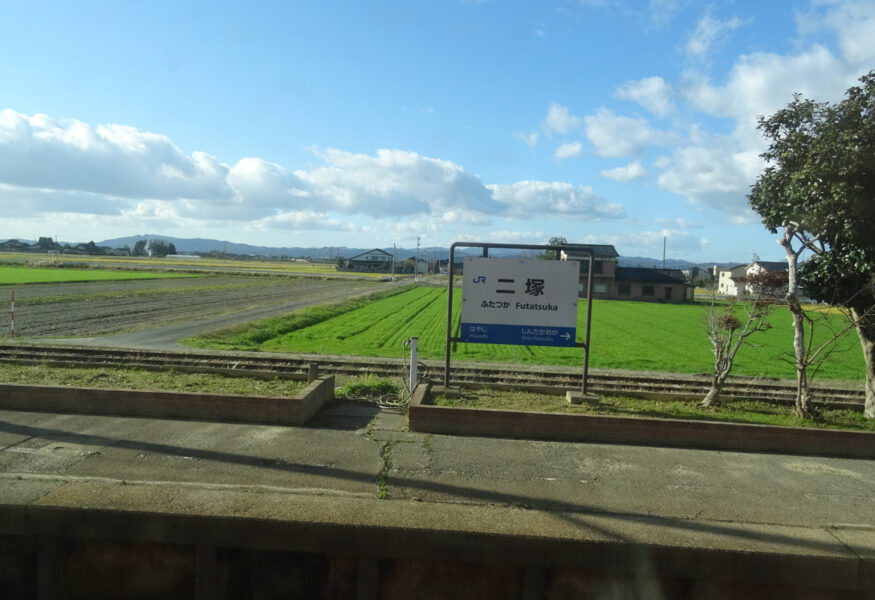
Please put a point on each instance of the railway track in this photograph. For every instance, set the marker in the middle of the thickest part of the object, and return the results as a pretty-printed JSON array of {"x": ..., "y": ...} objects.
[{"x": 296, "y": 366}]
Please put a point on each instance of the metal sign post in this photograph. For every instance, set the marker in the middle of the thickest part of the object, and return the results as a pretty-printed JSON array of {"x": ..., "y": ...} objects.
[{"x": 523, "y": 302}]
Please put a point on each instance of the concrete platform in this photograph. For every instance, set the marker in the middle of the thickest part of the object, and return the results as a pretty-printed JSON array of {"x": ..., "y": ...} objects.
[{"x": 358, "y": 506}]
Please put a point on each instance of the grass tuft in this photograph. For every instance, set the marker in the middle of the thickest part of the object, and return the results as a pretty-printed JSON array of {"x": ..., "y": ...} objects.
[
  {"x": 141, "y": 379},
  {"x": 368, "y": 387}
]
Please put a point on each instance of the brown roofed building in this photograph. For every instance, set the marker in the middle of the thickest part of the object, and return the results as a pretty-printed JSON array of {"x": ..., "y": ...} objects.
[{"x": 611, "y": 281}]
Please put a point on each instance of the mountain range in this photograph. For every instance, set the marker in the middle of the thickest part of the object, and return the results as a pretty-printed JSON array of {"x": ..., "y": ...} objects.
[{"x": 202, "y": 245}]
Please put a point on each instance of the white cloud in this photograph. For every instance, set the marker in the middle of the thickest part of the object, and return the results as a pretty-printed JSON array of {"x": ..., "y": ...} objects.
[
  {"x": 560, "y": 120},
  {"x": 718, "y": 174},
  {"x": 718, "y": 170},
  {"x": 852, "y": 22},
  {"x": 615, "y": 135},
  {"x": 525, "y": 198},
  {"x": 649, "y": 243},
  {"x": 761, "y": 83},
  {"x": 134, "y": 178},
  {"x": 679, "y": 222},
  {"x": 305, "y": 220},
  {"x": 663, "y": 11},
  {"x": 531, "y": 139},
  {"x": 116, "y": 160},
  {"x": 570, "y": 150},
  {"x": 518, "y": 237},
  {"x": 708, "y": 31},
  {"x": 653, "y": 93},
  {"x": 628, "y": 173},
  {"x": 394, "y": 183},
  {"x": 19, "y": 201}
]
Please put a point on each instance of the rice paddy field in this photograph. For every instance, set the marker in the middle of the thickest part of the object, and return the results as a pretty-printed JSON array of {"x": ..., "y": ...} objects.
[
  {"x": 625, "y": 335},
  {"x": 131, "y": 301},
  {"x": 189, "y": 264},
  {"x": 19, "y": 275}
]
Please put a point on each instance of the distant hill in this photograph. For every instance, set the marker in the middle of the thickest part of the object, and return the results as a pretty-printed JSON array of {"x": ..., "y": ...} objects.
[
  {"x": 190, "y": 245},
  {"x": 670, "y": 263},
  {"x": 185, "y": 245}
]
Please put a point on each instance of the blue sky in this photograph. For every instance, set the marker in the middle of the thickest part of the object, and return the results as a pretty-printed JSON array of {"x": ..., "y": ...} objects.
[{"x": 368, "y": 124}]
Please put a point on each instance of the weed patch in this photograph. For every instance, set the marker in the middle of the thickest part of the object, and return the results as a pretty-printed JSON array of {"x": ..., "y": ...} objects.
[
  {"x": 140, "y": 379},
  {"x": 368, "y": 387},
  {"x": 736, "y": 411}
]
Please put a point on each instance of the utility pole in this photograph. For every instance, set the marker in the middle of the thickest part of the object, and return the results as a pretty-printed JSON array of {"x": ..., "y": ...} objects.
[
  {"x": 416, "y": 264},
  {"x": 663, "y": 251}
]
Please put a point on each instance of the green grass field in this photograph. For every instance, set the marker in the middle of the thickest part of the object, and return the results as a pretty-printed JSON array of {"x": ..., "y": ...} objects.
[
  {"x": 625, "y": 335},
  {"x": 206, "y": 264},
  {"x": 22, "y": 275}
]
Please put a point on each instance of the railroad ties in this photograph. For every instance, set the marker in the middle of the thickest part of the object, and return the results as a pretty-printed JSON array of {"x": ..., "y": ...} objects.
[{"x": 538, "y": 377}]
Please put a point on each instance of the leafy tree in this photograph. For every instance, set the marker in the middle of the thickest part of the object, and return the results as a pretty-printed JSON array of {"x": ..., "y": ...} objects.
[
  {"x": 140, "y": 249},
  {"x": 47, "y": 243},
  {"x": 551, "y": 254},
  {"x": 153, "y": 248},
  {"x": 819, "y": 191}
]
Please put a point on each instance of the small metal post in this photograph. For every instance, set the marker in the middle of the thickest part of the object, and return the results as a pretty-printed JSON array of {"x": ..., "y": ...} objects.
[
  {"x": 451, "y": 273},
  {"x": 588, "y": 322},
  {"x": 414, "y": 359}
]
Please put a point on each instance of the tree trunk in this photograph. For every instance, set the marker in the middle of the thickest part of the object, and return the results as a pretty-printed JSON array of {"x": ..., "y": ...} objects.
[
  {"x": 723, "y": 357},
  {"x": 866, "y": 331},
  {"x": 803, "y": 394},
  {"x": 803, "y": 406},
  {"x": 710, "y": 398}
]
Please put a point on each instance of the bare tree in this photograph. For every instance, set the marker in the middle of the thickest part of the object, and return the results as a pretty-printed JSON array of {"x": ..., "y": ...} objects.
[{"x": 728, "y": 333}]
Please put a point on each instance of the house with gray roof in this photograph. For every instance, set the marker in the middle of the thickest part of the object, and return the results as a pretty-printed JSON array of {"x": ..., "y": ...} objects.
[
  {"x": 611, "y": 281},
  {"x": 372, "y": 261},
  {"x": 731, "y": 281}
]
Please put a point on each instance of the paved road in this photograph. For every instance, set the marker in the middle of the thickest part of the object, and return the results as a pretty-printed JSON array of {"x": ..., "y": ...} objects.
[{"x": 356, "y": 454}]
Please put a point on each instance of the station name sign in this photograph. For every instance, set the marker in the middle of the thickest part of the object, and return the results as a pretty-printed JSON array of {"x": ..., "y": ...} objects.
[{"x": 527, "y": 302}]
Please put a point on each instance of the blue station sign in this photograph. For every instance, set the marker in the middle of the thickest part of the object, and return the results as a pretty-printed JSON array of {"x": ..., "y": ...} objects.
[{"x": 526, "y": 302}]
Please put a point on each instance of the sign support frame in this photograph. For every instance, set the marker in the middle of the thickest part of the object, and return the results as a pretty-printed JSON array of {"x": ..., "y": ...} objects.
[{"x": 486, "y": 246}]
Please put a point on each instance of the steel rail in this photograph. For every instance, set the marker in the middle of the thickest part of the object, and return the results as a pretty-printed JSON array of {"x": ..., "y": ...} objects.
[{"x": 296, "y": 366}]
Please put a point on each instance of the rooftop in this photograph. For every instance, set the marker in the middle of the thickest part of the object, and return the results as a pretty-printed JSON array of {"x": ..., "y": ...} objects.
[
  {"x": 648, "y": 275},
  {"x": 572, "y": 251}
]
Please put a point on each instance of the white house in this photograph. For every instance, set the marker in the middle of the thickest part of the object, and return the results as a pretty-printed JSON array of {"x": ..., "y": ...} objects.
[
  {"x": 730, "y": 282},
  {"x": 727, "y": 281}
]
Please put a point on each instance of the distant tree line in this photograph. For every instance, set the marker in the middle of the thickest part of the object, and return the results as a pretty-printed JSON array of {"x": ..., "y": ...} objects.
[{"x": 46, "y": 245}]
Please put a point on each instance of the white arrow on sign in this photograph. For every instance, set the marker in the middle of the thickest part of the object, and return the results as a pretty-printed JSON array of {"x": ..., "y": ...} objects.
[{"x": 566, "y": 336}]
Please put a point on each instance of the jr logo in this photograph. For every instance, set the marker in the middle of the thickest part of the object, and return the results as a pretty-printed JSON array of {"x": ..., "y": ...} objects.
[{"x": 481, "y": 279}]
